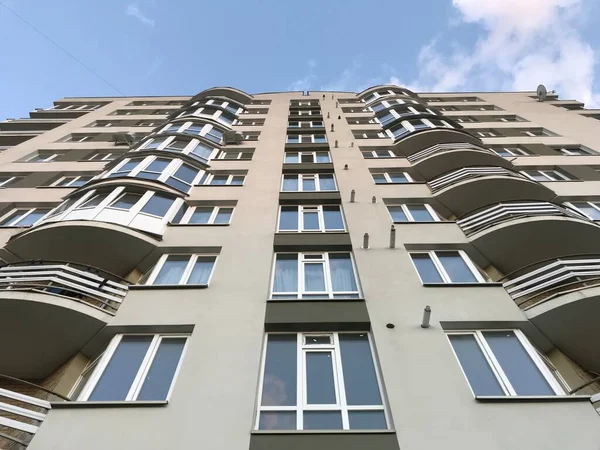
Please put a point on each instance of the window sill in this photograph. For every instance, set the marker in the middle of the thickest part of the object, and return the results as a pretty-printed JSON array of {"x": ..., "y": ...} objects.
[
  {"x": 111, "y": 404},
  {"x": 389, "y": 431},
  {"x": 143, "y": 287},
  {"x": 462, "y": 284},
  {"x": 532, "y": 398}
]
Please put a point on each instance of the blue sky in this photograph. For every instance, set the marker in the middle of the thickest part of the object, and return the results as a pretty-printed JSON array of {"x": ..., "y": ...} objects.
[{"x": 158, "y": 47}]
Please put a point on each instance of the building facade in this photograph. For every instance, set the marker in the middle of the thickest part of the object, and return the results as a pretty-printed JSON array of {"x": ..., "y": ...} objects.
[{"x": 296, "y": 270}]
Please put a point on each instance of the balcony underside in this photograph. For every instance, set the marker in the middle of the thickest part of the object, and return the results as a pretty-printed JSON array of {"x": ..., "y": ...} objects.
[
  {"x": 110, "y": 247},
  {"x": 468, "y": 195},
  {"x": 41, "y": 331},
  {"x": 517, "y": 243},
  {"x": 450, "y": 160},
  {"x": 420, "y": 140},
  {"x": 572, "y": 322}
]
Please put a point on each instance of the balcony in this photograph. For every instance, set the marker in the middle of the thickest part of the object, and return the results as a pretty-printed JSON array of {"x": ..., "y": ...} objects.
[
  {"x": 416, "y": 141},
  {"x": 465, "y": 190},
  {"x": 561, "y": 297},
  {"x": 530, "y": 230},
  {"x": 23, "y": 408},
  {"x": 442, "y": 158},
  {"x": 49, "y": 310}
]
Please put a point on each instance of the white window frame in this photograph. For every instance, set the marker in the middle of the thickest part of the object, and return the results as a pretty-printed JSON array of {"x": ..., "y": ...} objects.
[
  {"x": 306, "y": 176},
  {"x": 185, "y": 219},
  {"x": 209, "y": 177},
  {"x": 373, "y": 154},
  {"x": 313, "y": 154},
  {"x": 406, "y": 210},
  {"x": 306, "y": 124},
  {"x": 99, "y": 156},
  {"x": 69, "y": 184},
  {"x": 341, "y": 405},
  {"x": 442, "y": 271},
  {"x": 486, "y": 134},
  {"x": 320, "y": 215},
  {"x": 48, "y": 158},
  {"x": 3, "y": 184},
  {"x": 310, "y": 137},
  {"x": 495, "y": 366},
  {"x": 569, "y": 151},
  {"x": 513, "y": 151},
  {"x": 595, "y": 205},
  {"x": 242, "y": 155},
  {"x": 305, "y": 258},
  {"x": 193, "y": 257},
  {"x": 28, "y": 211},
  {"x": 389, "y": 180},
  {"x": 138, "y": 381},
  {"x": 545, "y": 173}
]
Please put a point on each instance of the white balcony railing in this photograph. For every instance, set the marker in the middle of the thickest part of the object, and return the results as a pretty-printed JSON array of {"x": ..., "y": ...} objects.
[
  {"x": 505, "y": 212},
  {"x": 555, "y": 278},
  {"x": 443, "y": 148},
  {"x": 91, "y": 286},
  {"x": 467, "y": 173}
]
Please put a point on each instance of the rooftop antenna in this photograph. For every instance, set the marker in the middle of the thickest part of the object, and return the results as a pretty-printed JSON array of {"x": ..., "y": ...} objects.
[{"x": 542, "y": 93}]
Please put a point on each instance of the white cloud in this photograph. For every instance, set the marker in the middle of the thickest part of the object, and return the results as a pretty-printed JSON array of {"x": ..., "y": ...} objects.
[
  {"x": 524, "y": 43},
  {"x": 305, "y": 83},
  {"x": 134, "y": 10}
]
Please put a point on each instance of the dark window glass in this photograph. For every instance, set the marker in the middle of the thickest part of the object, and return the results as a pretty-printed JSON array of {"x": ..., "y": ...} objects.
[
  {"x": 333, "y": 218},
  {"x": 420, "y": 213},
  {"x": 456, "y": 268},
  {"x": 224, "y": 215},
  {"x": 201, "y": 215},
  {"x": 160, "y": 375},
  {"x": 322, "y": 420},
  {"x": 360, "y": 378},
  {"x": 288, "y": 218},
  {"x": 158, "y": 205},
  {"x": 427, "y": 270},
  {"x": 367, "y": 420},
  {"x": 279, "y": 383},
  {"x": 342, "y": 273},
  {"x": 126, "y": 201},
  {"x": 397, "y": 214},
  {"x": 277, "y": 420},
  {"x": 320, "y": 386}
]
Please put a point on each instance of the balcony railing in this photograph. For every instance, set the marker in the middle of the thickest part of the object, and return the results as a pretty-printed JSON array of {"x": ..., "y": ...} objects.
[
  {"x": 556, "y": 277},
  {"x": 88, "y": 285},
  {"x": 505, "y": 212},
  {"x": 443, "y": 148},
  {"x": 467, "y": 173}
]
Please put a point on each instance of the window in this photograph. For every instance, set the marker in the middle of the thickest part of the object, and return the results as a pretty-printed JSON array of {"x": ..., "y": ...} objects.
[
  {"x": 125, "y": 169},
  {"x": 155, "y": 169},
  {"x": 94, "y": 201},
  {"x": 223, "y": 180},
  {"x": 311, "y": 218},
  {"x": 125, "y": 201},
  {"x": 101, "y": 157},
  {"x": 204, "y": 215},
  {"x": 182, "y": 269},
  {"x": 134, "y": 367},
  {"x": 379, "y": 154},
  {"x": 314, "y": 276},
  {"x": 509, "y": 151},
  {"x": 392, "y": 177},
  {"x": 242, "y": 155},
  {"x": 5, "y": 181},
  {"x": 183, "y": 178},
  {"x": 575, "y": 151},
  {"x": 413, "y": 213},
  {"x": 502, "y": 363},
  {"x": 320, "y": 381},
  {"x": 73, "y": 181},
  {"x": 43, "y": 157},
  {"x": 589, "y": 209},
  {"x": 308, "y": 124},
  {"x": 306, "y": 139},
  {"x": 446, "y": 267},
  {"x": 307, "y": 157},
  {"x": 486, "y": 133},
  {"x": 308, "y": 182},
  {"x": 23, "y": 217},
  {"x": 546, "y": 175},
  {"x": 154, "y": 143},
  {"x": 158, "y": 205}
]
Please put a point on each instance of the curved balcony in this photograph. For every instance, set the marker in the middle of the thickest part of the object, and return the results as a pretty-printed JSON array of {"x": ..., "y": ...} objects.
[
  {"x": 412, "y": 143},
  {"x": 49, "y": 310},
  {"x": 561, "y": 297},
  {"x": 442, "y": 158},
  {"x": 224, "y": 91},
  {"x": 471, "y": 188},
  {"x": 381, "y": 90},
  {"x": 532, "y": 230}
]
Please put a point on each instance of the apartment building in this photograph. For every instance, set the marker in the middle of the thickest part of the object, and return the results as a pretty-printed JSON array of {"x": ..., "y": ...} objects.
[{"x": 318, "y": 270}]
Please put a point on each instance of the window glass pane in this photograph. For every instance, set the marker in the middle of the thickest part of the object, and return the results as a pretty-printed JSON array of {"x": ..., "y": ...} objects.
[
  {"x": 306, "y": 158},
  {"x": 237, "y": 180},
  {"x": 291, "y": 158},
  {"x": 277, "y": 420},
  {"x": 367, "y": 420},
  {"x": 342, "y": 273},
  {"x": 426, "y": 268},
  {"x": 523, "y": 374},
  {"x": 126, "y": 201},
  {"x": 320, "y": 139},
  {"x": 474, "y": 365},
  {"x": 80, "y": 181},
  {"x": 32, "y": 218},
  {"x": 177, "y": 146},
  {"x": 201, "y": 214},
  {"x": 290, "y": 183},
  {"x": 588, "y": 209},
  {"x": 172, "y": 270},
  {"x": 455, "y": 266},
  {"x": 322, "y": 420},
  {"x": 186, "y": 173},
  {"x": 320, "y": 386},
  {"x": 314, "y": 277},
  {"x": 420, "y": 213},
  {"x": 224, "y": 215},
  {"x": 13, "y": 218},
  {"x": 323, "y": 157},
  {"x": 379, "y": 178},
  {"x": 333, "y": 218},
  {"x": 279, "y": 382},
  {"x": 158, "y": 205},
  {"x": 360, "y": 378},
  {"x": 202, "y": 270},
  {"x": 288, "y": 218},
  {"x": 219, "y": 180},
  {"x": 160, "y": 375},
  {"x": 202, "y": 151},
  {"x": 311, "y": 220},
  {"x": 180, "y": 214},
  {"x": 93, "y": 202},
  {"x": 397, "y": 214},
  {"x": 309, "y": 184},
  {"x": 327, "y": 183},
  {"x": 116, "y": 380},
  {"x": 398, "y": 177},
  {"x": 286, "y": 273}
]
